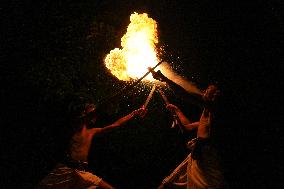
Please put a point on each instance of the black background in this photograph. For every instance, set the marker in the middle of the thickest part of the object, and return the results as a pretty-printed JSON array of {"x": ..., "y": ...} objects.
[{"x": 51, "y": 47}]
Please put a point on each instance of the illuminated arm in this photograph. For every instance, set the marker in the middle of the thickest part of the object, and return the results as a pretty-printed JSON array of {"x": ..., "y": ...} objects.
[
  {"x": 126, "y": 118},
  {"x": 183, "y": 119},
  {"x": 104, "y": 185},
  {"x": 122, "y": 120},
  {"x": 179, "y": 90}
]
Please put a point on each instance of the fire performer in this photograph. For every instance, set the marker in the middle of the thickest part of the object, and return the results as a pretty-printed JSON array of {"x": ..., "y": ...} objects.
[
  {"x": 202, "y": 168},
  {"x": 72, "y": 171}
]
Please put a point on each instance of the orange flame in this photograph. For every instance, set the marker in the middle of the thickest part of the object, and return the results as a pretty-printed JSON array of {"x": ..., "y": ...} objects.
[{"x": 138, "y": 49}]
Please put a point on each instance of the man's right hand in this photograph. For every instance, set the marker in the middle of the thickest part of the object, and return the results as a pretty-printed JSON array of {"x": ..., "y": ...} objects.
[{"x": 158, "y": 75}]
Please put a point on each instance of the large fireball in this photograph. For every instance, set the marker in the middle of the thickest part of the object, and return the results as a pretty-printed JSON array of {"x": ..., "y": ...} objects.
[{"x": 138, "y": 50}]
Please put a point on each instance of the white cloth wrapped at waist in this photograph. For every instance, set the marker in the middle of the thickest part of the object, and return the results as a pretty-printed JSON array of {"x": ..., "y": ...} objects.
[
  {"x": 203, "y": 173},
  {"x": 64, "y": 177}
]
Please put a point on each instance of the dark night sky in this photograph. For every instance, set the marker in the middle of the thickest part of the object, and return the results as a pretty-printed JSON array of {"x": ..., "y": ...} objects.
[{"x": 235, "y": 44}]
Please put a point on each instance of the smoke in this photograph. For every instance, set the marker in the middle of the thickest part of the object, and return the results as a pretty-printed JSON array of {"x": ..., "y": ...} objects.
[{"x": 180, "y": 80}]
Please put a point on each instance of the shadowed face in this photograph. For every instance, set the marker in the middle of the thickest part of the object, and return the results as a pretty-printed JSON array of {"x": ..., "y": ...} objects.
[
  {"x": 91, "y": 113},
  {"x": 211, "y": 93}
]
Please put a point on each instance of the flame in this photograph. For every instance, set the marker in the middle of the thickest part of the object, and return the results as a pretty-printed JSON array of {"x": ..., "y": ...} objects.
[{"x": 138, "y": 49}]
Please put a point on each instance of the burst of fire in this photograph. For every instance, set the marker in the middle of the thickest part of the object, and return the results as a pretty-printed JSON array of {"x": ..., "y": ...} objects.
[{"x": 138, "y": 50}]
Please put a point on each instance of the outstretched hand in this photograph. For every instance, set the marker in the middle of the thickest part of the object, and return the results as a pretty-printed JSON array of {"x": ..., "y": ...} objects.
[
  {"x": 158, "y": 75},
  {"x": 140, "y": 111}
]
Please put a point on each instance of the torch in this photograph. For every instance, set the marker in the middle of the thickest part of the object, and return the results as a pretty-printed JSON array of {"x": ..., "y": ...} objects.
[
  {"x": 148, "y": 100},
  {"x": 149, "y": 96},
  {"x": 176, "y": 120},
  {"x": 130, "y": 87},
  {"x": 195, "y": 98}
]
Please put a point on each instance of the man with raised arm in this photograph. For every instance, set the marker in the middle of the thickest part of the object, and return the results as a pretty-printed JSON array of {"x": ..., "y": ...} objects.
[
  {"x": 202, "y": 168},
  {"x": 72, "y": 171}
]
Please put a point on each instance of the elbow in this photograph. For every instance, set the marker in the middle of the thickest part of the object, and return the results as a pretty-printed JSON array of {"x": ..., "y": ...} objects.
[{"x": 191, "y": 126}]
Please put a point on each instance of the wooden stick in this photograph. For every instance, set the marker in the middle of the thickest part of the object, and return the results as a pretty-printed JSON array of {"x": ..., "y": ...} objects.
[
  {"x": 176, "y": 119},
  {"x": 149, "y": 96}
]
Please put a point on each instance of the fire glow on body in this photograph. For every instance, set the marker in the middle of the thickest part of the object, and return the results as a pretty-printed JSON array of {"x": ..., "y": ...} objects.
[{"x": 138, "y": 51}]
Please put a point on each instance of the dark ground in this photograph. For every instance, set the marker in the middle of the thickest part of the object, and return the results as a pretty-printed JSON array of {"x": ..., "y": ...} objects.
[{"x": 54, "y": 47}]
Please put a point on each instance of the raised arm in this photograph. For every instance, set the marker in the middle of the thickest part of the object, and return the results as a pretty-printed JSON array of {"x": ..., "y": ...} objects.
[
  {"x": 183, "y": 119},
  {"x": 126, "y": 118},
  {"x": 122, "y": 120},
  {"x": 104, "y": 185},
  {"x": 179, "y": 90}
]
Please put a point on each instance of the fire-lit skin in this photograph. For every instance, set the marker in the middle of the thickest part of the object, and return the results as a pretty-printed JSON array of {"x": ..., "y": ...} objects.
[
  {"x": 204, "y": 127},
  {"x": 81, "y": 141},
  {"x": 183, "y": 119},
  {"x": 203, "y": 131},
  {"x": 204, "y": 123}
]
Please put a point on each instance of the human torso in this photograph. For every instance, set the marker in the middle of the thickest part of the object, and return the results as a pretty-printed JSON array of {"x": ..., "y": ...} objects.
[{"x": 80, "y": 144}]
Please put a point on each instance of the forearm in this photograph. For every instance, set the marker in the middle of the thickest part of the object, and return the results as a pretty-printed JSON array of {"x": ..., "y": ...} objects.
[
  {"x": 124, "y": 119},
  {"x": 183, "y": 119},
  {"x": 191, "y": 126},
  {"x": 185, "y": 95},
  {"x": 104, "y": 185},
  {"x": 185, "y": 122},
  {"x": 118, "y": 123}
]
